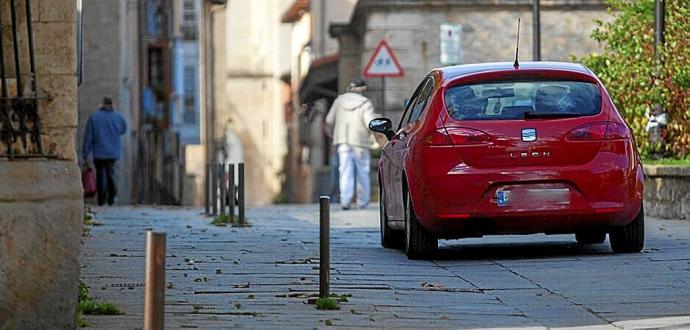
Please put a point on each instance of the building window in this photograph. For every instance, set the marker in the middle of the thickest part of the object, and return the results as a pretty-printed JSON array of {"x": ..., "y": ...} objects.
[
  {"x": 189, "y": 115},
  {"x": 188, "y": 28}
]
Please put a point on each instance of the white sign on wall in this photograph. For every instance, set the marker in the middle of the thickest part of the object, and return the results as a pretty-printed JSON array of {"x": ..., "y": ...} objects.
[{"x": 451, "y": 44}]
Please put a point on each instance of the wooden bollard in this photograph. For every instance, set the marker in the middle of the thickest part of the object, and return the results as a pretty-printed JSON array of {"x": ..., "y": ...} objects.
[
  {"x": 154, "y": 301},
  {"x": 324, "y": 246},
  {"x": 240, "y": 193}
]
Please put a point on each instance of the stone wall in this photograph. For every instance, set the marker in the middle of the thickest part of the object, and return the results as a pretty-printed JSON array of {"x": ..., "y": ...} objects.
[
  {"x": 667, "y": 191},
  {"x": 41, "y": 199}
]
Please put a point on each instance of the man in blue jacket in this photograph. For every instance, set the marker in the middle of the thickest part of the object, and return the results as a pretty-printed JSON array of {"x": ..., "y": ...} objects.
[{"x": 102, "y": 137}]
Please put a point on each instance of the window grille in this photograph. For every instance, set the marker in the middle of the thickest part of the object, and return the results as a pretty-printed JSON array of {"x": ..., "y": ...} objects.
[{"x": 20, "y": 128}]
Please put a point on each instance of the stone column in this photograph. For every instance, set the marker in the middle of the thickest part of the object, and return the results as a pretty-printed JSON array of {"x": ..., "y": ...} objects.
[{"x": 41, "y": 202}]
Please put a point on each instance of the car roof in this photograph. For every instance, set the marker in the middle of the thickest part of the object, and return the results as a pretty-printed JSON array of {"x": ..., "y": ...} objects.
[{"x": 452, "y": 72}]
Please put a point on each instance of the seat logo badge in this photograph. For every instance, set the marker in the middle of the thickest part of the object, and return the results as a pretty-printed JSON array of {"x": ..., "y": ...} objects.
[{"x": 529, "y": 134}]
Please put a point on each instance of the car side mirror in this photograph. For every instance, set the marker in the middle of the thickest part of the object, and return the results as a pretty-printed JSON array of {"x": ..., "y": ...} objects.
[{"x": 383, "y": 126}]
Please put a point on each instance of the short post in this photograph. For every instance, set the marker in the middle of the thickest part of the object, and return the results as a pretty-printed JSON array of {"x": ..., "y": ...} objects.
[
  {"x": 207, "y": 188},
  {"x": 223, "y": 188},
  {"x": 231, "y": 191},
  {"x": 240, "y": 193},
  {"x": 214, "y": 189},
  {"x": 324, "y": 246},
  {"x": 154, "y": 300}
]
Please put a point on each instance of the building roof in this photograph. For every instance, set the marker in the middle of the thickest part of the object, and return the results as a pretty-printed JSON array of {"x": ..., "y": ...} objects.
[{"x": 295, "y": 12}]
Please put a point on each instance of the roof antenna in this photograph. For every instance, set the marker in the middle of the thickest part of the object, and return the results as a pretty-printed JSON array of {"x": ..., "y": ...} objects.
[{"x": 517, "y": 46}]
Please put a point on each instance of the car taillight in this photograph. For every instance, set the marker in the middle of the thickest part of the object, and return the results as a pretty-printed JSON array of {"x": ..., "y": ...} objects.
[
  {"x": 599, "y": 131},
  {"x": 616, "y": 131},
  {"x": 455, "y": 136}
]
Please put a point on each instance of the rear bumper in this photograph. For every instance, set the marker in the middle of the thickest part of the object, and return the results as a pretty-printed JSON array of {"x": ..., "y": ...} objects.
[
  {"x": 559, "y": 222},
  {"x": 457, "y": 201}
]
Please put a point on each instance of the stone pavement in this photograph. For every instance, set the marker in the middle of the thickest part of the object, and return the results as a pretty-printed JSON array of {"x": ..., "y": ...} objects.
[{"x": 258, "y": 277}]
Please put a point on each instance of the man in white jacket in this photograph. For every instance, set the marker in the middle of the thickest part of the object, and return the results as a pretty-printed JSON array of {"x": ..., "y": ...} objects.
[{"x": 349, "y": 118}]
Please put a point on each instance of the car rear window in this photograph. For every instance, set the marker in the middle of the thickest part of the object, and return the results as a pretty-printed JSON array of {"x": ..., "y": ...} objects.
[{"x": 511, "y": 100}]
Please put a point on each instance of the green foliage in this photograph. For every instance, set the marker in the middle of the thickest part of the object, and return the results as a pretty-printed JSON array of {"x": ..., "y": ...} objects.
[
  {"x": 668, "y": 161},
  {"x": 280, "y": 198},
  {"x": 91, "y": 306},
  {"x": 81, "y": 323},
  {"x": 327, "y": 304},
  {"x": 224, "y": 220},
  {"x": 95, "y": 307},
  {"x": 635, "y": 79}
]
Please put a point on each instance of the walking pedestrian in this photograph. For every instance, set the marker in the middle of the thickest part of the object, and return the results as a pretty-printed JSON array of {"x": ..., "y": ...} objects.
[
  {"x": 349, "y": 117},
  {"x": 102, "y": 138}
]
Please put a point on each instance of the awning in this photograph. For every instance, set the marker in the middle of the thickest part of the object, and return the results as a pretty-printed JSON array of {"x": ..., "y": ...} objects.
[{"x": 321, "y": 80}]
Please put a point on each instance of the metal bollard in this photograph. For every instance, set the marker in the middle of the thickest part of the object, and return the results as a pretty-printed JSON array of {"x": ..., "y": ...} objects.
[
  {"x": 223, "y": 188},
  {"x": 240, "y": 193},
  {"x": 324, "y": 246},
  {"x": 231, "y": 191},
  {"x": 154, "y": 300},
  {"x": 214, "y": 189},
  {"x": 207, "y": 188}
]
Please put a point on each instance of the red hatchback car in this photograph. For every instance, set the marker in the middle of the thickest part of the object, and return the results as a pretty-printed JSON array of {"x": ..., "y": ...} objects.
[{"x": 496, "y": 149}]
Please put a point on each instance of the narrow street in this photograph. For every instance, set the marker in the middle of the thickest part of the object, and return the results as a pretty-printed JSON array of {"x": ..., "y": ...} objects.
[{"x": 259, "y": 277}]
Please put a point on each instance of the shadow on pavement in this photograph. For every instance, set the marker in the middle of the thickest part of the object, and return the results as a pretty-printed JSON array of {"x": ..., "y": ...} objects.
[{"x": 518, "y": 250}]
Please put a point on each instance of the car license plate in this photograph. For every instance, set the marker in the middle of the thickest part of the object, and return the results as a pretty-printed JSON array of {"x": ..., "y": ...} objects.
[
  {"x": 502, "y": 197},
  {"x": 533, "y": 198}
]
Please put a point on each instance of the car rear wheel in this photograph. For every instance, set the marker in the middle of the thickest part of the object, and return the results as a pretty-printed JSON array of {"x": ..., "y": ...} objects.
[
  {"x": 594, "y": 237},
  {"x": 629, "y": 238},
  {"x": 419, "y": 242},
  {"x": 389, "y": 238}
]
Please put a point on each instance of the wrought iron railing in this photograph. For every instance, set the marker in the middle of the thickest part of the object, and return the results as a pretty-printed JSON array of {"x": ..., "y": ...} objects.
[{"x": 20, "y": 128}]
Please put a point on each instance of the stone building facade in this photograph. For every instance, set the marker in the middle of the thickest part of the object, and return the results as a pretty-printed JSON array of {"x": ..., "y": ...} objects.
[
  {"x": 41, "y": 206},
  {"x": 129, "y": 49},
  {"x": 247, "y": 122}
]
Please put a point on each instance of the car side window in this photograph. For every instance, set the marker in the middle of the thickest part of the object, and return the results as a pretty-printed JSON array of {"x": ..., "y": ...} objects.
[
  {"x": 410, "y": 105},
  {"x": 422, "y": 100}
]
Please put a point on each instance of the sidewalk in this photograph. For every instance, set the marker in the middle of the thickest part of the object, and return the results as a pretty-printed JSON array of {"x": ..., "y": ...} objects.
[{"x": 258, "y": 277}]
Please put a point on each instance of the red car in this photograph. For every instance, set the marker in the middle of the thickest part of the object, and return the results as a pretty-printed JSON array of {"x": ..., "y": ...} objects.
[{"x": 500, "y": 149}]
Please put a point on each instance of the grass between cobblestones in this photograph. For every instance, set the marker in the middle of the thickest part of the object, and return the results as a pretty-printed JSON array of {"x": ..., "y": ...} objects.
[
  {"x": 223, "y": 220},
  {"x": 329, "y": 304},
  {"x": 89, "y": 305}
]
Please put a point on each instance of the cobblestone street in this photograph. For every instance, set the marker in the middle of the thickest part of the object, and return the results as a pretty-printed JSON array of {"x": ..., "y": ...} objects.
[{"x": 259, "y": 277}]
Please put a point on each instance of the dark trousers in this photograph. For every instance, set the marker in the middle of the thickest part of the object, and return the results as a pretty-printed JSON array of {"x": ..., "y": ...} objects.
[{"x": 105, "y": 180}]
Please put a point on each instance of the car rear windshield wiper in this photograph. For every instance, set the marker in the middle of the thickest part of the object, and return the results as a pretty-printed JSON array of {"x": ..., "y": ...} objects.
[{"x": 535, "y": 114}]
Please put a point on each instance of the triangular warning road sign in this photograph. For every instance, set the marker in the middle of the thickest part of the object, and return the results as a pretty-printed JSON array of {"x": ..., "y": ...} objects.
[{"x": 383, "y": 63}]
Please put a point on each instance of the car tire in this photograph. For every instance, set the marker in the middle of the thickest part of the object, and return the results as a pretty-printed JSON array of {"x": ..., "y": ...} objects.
[
  {"x": 389, "y": 238},
  {"x": 419, "y": 242},
  {"x": 629, "y": 238},
  {"x": 590, "y": 237}
]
